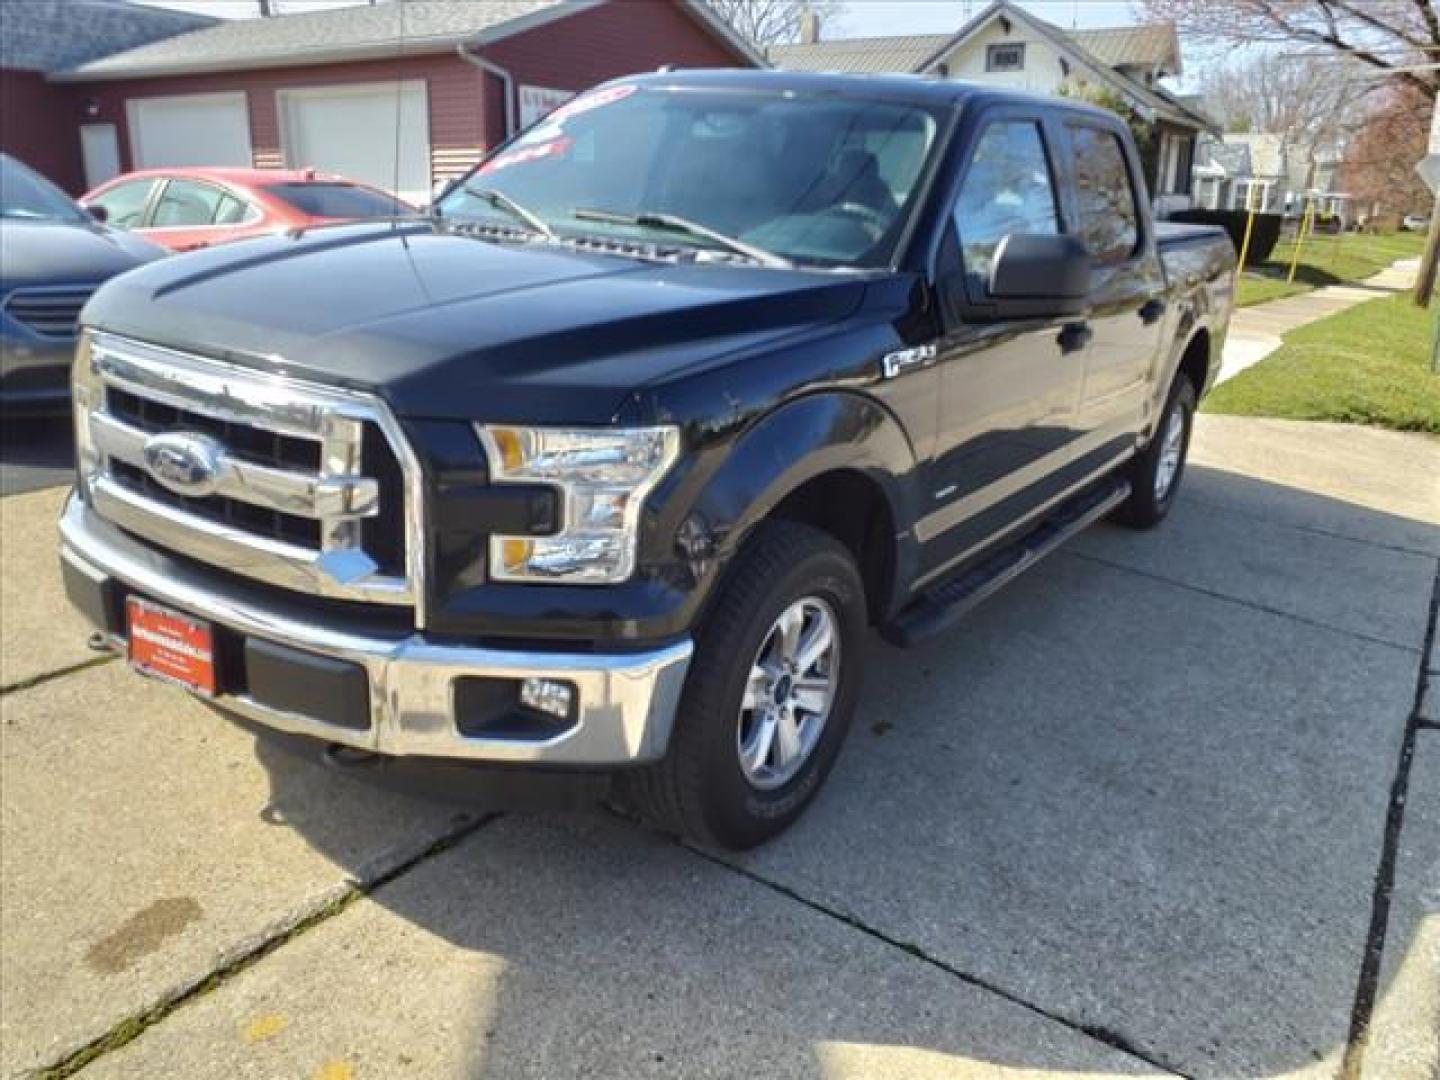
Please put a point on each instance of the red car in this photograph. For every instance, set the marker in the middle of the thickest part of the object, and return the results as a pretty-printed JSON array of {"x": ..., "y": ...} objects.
[{"x": 184, "y": 209}]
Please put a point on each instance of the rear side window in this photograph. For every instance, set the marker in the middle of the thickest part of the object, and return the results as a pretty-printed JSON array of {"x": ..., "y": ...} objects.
[
  {"x": 186, "y": 204},
  {"x": 338, "y": 200},
  {"x": 125, "y": 203},
  {"x": 231, "y": 211},
  {"x": 1104, "y": 195},
  {"x": 1008, "y": 189}
]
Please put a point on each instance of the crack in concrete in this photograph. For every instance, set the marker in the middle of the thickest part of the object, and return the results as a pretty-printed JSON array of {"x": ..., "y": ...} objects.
[
  {"x": 1100, "y": 1033},
  {"x": 58, "y": 673},
  {"x": 132, "y": 1027},
  {"x": 1251, "y": 604},
  {"x": 1367, "y": 985}
]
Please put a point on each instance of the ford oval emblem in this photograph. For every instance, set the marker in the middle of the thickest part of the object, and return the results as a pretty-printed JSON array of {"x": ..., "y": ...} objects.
[{"x": 185, "y": 462}]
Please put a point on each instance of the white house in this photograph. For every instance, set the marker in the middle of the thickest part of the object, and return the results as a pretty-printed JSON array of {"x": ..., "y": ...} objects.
[
  {"x": 1265, "y": 171},
  {"x": 1006, "y": 44}
]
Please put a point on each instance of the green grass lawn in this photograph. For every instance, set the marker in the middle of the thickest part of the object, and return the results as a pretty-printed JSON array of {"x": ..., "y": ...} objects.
[
  {"x": 1367, "y": 365},
  {"x": 1325, "y": 260}
]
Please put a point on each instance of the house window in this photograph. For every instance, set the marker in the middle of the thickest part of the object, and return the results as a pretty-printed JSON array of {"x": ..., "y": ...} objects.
[
  {"x": 1183, "y": 183},
  {"x": 1005, "y": 56}
]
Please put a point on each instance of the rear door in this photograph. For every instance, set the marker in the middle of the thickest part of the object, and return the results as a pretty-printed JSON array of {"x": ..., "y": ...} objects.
[
  {"x": 1008, "y": 388},
  {"x": 1127, "y": 298}
]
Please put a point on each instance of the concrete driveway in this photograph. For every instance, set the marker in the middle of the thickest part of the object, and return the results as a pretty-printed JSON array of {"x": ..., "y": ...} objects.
[{"x": 1169, "y": 804}]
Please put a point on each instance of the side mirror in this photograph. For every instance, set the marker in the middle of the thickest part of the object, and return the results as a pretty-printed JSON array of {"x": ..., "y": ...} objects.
[
  {"x": 98, "y": 212},
  {"x": 1039, "y": 275}
]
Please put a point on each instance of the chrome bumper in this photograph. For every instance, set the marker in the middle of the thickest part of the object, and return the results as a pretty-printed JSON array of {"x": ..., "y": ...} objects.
[{"x": 626, "y": 701}]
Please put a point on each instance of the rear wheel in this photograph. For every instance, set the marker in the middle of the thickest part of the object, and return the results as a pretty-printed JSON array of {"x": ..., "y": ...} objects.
[
  {"x": 1156, "y": 472},
  {"x": 769, "y": 696}
]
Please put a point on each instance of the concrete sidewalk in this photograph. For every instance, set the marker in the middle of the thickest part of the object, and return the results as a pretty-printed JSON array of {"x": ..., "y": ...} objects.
[
  {"x": 1256, "y": 331},
  {"x": 1125, "y": 820}
]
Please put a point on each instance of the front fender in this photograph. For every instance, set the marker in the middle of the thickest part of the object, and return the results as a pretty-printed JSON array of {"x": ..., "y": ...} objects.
[{"x": 775, "y": 456}]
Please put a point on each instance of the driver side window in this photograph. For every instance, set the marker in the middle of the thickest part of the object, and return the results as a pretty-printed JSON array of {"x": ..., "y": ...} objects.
[{"x": 1008, "y": 189}]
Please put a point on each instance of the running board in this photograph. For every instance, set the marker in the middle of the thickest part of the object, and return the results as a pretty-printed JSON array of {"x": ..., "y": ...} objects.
[{"x": 943, "y": 605}]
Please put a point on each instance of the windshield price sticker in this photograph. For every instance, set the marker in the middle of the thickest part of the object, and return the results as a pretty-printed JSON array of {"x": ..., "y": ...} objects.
[
  {"x": 554, "y": 148},
  {"x": 586, "y": 102}
]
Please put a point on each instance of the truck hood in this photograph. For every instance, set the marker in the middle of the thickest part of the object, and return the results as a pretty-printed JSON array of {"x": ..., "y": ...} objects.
[{"x": 445, "y": 325}]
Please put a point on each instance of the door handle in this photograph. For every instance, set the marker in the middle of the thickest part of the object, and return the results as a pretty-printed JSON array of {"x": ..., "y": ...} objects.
[
  {"x": 1074, "y": 336},
  {"x": 1151, "y": 311}
]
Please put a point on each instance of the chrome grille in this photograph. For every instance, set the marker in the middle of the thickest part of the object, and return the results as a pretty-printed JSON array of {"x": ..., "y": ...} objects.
[
  {"x": 303, "y": 486},
  {"x": 50, "y": 311}
]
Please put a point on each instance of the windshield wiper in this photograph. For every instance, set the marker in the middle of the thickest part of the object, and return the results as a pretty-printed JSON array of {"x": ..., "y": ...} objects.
[
  {"x": 504, "y": 202},
  {"x": 672, "y": 223}
]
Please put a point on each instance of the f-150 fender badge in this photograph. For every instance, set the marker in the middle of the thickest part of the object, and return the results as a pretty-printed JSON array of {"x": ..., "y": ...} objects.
[{"x": 903, "y": 360}]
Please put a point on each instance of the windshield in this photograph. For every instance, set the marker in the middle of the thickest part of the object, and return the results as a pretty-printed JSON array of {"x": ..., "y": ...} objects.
[
  {"x": 25, "y": 194},
  {"x": 825, "y": 180},
  {"x": 338, "y": 200}
]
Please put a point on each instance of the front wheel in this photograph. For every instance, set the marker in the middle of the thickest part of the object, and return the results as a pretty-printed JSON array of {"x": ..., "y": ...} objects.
[
  {"x": 769, "y": 696},
  {"x": 1155, "y": 473}
]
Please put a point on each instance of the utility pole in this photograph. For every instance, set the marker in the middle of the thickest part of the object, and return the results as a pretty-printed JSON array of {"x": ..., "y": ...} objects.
[{"x": 1429, "y": 170}]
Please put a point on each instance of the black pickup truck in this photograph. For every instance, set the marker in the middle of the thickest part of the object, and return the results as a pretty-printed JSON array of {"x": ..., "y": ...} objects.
[{"x": 609, "y": 461}]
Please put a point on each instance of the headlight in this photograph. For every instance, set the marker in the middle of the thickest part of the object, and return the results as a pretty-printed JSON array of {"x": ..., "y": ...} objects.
[
  {"x": 603, "y": 475},
  {"x": 85, "y": 392}
]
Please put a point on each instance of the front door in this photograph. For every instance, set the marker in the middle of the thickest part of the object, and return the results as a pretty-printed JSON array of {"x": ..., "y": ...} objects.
[{"x": 1008, "y": 388}]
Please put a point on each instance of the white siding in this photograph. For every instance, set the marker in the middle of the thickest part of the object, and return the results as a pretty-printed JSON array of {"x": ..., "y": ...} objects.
[{"x": 1042, "y": 73}]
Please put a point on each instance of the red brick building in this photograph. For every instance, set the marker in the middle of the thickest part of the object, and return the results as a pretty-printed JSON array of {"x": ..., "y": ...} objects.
[{"x": 403, "y": 93}]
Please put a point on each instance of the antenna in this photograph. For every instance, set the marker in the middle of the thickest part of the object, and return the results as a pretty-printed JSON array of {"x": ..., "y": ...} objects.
[{"x": 399, "y": 102}]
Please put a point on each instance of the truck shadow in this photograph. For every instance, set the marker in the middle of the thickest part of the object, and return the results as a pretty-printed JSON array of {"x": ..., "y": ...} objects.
[{"x": 1119, "y": 808}]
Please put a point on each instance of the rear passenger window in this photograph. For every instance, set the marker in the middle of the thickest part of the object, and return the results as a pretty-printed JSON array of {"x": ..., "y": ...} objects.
[
  {"x": 186, "y": 204},
  {"x": 230, "y": 211},
  {"x": 1104, "y": 195},
  {"x": 1007, "y": 190}
]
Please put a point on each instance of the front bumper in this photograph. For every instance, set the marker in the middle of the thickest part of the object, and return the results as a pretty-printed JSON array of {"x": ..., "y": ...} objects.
[{"x": 409, "y": 685}]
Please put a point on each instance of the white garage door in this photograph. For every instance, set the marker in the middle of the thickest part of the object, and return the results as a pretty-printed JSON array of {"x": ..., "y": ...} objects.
[
  {"x": 197, "y": 129},
  {"x": 351, "y": 130}
]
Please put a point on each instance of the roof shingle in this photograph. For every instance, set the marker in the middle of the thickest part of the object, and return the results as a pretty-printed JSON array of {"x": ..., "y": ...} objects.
[
  {"x": 307, "y": 37},
  {"x": 864, "y": 55},
  {"x": 52, "y": 35},
  {"x": 1154, "y": 45}
]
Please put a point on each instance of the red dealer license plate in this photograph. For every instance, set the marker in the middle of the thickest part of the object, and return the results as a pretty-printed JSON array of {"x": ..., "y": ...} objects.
[{"x": 171, "y": 645}]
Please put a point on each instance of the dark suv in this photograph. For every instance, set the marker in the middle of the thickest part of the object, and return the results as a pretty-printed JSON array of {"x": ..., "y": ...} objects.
[{"x": 53, "y": 255}]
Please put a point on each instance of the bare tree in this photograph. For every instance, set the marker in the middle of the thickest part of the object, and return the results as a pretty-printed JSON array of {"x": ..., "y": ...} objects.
[
  {"x": 772, "y": 22},
  {"x": 1313, "y": 106},
  {"x": 1392, "y": 37},
  {"x": 1299, "y": 98}
]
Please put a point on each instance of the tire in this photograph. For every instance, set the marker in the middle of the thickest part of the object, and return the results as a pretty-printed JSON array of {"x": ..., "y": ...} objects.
[
  {"x": 701, "y": 790},
  {"x": 1150, "y": 500}
]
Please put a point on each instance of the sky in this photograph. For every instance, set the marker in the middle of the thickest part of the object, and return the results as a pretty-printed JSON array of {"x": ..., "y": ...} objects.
[{"x": 863, "y": 18}]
